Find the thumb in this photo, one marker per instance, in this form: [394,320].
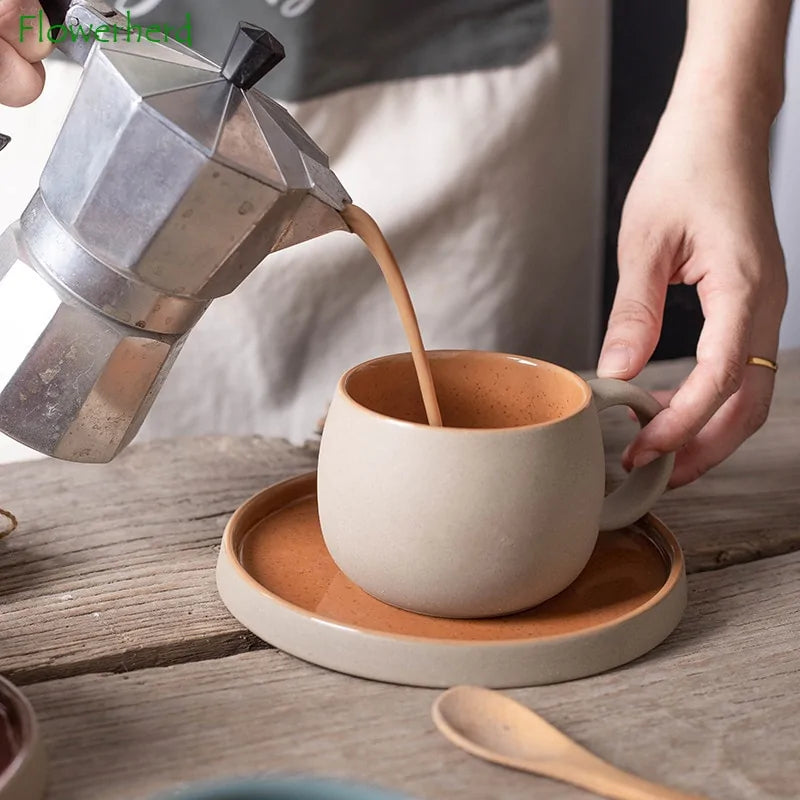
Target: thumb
[20,27]
[636,316]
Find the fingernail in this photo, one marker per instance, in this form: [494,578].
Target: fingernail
[626,455]
[644,458]
[616,360]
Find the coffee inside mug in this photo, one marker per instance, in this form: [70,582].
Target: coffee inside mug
[475,389]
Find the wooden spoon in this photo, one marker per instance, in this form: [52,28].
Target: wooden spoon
[494,727]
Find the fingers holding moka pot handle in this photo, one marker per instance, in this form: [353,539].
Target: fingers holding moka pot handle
[56,10]
[23,45]
[644,486]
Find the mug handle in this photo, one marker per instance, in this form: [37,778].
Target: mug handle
[643,487]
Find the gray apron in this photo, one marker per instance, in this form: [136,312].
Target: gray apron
[337,44]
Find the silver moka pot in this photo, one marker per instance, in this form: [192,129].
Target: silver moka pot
[170,181]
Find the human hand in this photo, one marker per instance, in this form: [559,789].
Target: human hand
[21,53]
[700,212]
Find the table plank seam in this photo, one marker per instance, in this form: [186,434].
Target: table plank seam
[215,515]
[202,648]
[725,559]
[210,648]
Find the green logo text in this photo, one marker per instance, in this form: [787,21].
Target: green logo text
[129,32]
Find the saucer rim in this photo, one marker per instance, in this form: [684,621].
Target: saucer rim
[668,547]
[409,660]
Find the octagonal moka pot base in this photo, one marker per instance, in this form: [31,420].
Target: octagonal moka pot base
[277,578]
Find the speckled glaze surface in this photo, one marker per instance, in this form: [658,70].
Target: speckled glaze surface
[490,515]
[23,770]
[277,578]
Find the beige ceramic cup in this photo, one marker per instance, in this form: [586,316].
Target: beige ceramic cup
[473,520]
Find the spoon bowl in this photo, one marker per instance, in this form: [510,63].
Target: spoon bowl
[496,728]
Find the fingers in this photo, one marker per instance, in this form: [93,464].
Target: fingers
[635,322]
[20,82]
[21,51]
[732,333]
[721,355]
[664,397]
[747,410]
[738,419]
[19,27]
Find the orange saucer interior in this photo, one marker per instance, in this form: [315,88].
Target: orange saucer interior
[284,552]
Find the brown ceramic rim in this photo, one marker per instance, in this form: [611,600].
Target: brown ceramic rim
[533,362]
[666,544]
[29,730]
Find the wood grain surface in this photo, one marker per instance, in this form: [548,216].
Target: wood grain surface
[112,566]
[714,711]
[110,617]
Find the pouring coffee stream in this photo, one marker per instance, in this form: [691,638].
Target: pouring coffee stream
[367,229]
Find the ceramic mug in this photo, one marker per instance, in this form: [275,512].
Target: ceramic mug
[491,515]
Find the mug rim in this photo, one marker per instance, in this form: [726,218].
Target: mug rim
[531,361]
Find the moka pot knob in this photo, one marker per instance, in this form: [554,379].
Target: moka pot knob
[253,52]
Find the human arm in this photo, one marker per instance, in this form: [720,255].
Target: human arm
[700,212]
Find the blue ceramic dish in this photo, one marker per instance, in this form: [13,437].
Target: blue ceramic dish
[283,788]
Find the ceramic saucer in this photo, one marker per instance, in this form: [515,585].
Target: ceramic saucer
[22,761]
[276,577]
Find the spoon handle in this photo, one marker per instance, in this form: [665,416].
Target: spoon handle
[600,777]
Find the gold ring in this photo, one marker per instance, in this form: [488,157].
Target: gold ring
[12,519]
[757,361]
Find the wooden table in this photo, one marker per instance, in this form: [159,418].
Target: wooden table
[110,618]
